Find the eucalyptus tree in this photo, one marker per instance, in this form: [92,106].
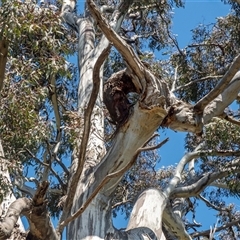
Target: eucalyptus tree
[77,144]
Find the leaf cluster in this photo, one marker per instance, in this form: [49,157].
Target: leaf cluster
[208,57]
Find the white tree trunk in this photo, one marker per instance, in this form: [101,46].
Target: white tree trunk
[6,192]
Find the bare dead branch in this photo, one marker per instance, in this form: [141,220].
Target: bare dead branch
[233,69]
[149,148]
[207,232]
[196,81]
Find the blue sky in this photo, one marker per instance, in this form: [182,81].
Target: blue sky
[185,19]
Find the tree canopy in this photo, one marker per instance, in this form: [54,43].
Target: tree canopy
[84,96]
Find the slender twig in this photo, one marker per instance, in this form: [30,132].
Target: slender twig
[121,203]
[36,159]
[46,165]
[196,81]
[209,204]
[149,148]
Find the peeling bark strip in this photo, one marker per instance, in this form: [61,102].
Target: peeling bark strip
[3,60]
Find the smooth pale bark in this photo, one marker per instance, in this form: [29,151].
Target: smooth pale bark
[216,107]
[147,211]
[8,199]
[10,219]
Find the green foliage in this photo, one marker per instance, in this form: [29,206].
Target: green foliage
[39,45]
[208,57]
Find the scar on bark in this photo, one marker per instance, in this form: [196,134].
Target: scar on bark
[115,97]
[185,117]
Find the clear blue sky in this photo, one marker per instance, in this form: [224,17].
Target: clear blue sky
[185,19]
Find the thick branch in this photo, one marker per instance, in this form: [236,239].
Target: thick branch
[54,101]
[196,188]
[14,211]
[187,158]
[232,120]
[175,224]
[217,106]
[127,52]
[234,68]
[147,212]
[67,14]
[38,217]
[103,183]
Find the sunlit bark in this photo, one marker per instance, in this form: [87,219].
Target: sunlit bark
[95,172]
